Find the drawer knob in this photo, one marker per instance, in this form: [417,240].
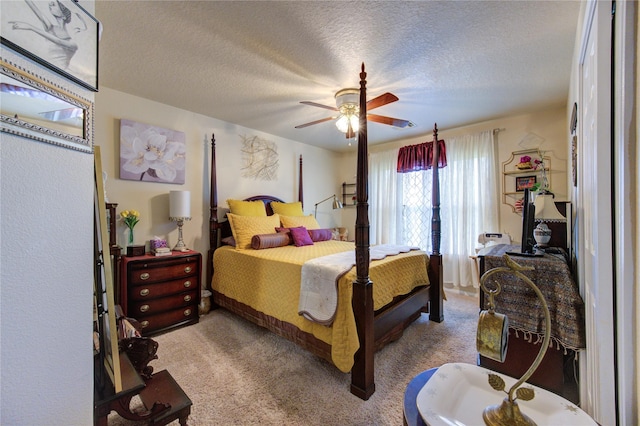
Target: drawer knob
[187,298]
[144,308]
[144,324]
[144,292]
[187,312]
[187,284]
[144,276]
[188,269]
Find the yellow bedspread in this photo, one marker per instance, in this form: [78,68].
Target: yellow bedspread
[269,281]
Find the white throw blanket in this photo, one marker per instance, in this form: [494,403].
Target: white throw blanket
[319,280]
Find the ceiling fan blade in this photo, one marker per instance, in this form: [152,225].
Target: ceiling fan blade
[319,105]
[396,122]
[314,122]
[385,98]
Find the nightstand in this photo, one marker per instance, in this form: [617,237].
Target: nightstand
[161,292]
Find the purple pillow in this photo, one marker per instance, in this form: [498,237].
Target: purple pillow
[301,236]
[320,234]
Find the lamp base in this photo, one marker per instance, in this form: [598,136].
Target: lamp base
[542,235]
[506,414]
[180,246]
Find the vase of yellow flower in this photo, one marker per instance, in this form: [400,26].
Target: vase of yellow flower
[130,218]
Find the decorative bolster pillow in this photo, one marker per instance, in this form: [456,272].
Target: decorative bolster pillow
[265,241]
[285,231]
[320,234]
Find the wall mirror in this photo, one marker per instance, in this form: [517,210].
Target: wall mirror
[36,109]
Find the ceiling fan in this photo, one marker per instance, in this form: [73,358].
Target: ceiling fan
[348,107]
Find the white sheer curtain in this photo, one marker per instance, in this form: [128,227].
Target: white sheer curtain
[469,198]
[385,198]
[400,204]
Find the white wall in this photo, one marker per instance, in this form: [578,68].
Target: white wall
[46,278]
[548,127]
[152,199]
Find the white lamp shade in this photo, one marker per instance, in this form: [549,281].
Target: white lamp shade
[546,209]
[343,123]
[179,204]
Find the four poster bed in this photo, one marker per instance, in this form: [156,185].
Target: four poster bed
[376,299]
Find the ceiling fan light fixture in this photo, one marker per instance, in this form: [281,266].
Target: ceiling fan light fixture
[345,120]
[347,102]
[342,123]
[347,97]
[355,122]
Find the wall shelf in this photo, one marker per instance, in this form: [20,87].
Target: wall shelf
[348,192]
[510,175]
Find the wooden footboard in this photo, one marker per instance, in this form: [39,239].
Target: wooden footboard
[389,323]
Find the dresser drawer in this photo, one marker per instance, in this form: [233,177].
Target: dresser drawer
[139,310]
[168,319]
[148,291]
[143,273]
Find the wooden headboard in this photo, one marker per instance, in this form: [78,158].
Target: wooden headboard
[266,199]
[219,229]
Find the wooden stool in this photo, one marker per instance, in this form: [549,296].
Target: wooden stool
[164,389]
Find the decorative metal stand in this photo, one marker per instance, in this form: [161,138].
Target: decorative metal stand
[508,413]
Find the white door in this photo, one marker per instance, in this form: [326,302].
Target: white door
[595,256]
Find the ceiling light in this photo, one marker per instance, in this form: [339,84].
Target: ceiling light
[347,103]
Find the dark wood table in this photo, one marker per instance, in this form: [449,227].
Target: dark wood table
[553,277]
[410,409]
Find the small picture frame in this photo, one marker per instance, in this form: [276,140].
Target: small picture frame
[60,35]
[524,182]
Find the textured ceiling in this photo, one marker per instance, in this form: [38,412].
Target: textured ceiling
[251,63]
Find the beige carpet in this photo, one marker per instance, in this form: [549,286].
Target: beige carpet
[237,373]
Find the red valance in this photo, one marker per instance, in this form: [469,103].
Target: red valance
[420,157]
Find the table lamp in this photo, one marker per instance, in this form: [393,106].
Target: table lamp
[546,211]
[179,211]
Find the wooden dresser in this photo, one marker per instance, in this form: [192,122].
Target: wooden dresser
[161,292]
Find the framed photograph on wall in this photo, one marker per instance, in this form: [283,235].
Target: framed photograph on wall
[58,34]
[523,182]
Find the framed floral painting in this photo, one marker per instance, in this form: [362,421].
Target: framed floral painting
[151,154]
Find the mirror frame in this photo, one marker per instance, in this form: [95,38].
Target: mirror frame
[41,133]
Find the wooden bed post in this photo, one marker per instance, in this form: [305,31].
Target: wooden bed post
[214,226]
[362,373]
[436,312]
[300,197]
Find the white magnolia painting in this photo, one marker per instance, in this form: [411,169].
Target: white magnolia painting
[151,154]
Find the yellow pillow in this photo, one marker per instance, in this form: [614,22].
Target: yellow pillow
[247,208]
[308,222]
[287,209]
[244,228]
